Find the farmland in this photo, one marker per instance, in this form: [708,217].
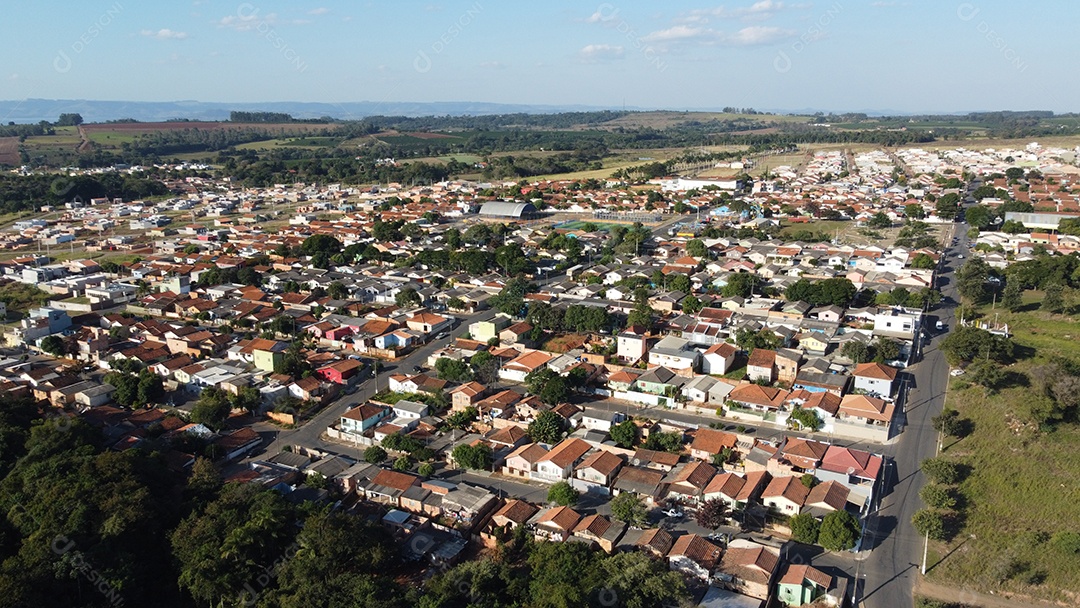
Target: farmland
[9,150]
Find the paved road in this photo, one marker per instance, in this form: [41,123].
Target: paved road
[310,433]
[893,566]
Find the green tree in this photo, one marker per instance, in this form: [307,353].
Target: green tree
[426,469]
[948,423]
[948,206]
[856,351]
[1012,296]
[914,211]
[696,248]
[403,463]
[987,374]
[940,471]
[407,298]
[478,457]
[978,216]
[374,454]
[923,261]
[804,528]
[929,522]
[547,427]
[54,345]
[556,391]
[938,497]
[453,370]
[629,508]
[879,220]
[741,284]
[212,409]
[563,494]
[886,350]
[462,419]
[971,280]
[839,531]
[1053,298]
[665,442]
[624,434]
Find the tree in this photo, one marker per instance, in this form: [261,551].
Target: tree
[886,350]
[966,344]
[151,390]
[804,528]
[1053,298]
[879,220]
[1012,296]
[462,419]
[741,284]
[839,531]
[69,120]
[374,455]
[914,211]
[54,345]
[710,514]
[627,507]
[556,391]
[948,423]
[923,261]
[407,297]
[478,457]
[938,497]
[948,206]
[978,216]
[971,280]
[563,494]
[806,419]
[402,463]
[453,370]
[856,351]
[665,442]
[987,374]
[426,469]
[624,434]
[696,248]
[547,427]
[929,522]
[941,471]
[212,409]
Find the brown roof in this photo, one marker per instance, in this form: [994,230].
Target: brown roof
[758,395]
[791,488]
[531,452]
[656,539]
[797,573]
[237,439]
[603,462]
[567,452]
[713,441]
[563,518]
[761,357]
[824,400]
[875,370]
[517,511]
[754,564]
[854,462]
[863,406]
[696,548]
[831,493]
[364,412]
[754,481]
[509,435]
[806,450]
[727,484]
[529,361]
[394,479]
[595,525]
[645,456]
[471,389]
[697,474]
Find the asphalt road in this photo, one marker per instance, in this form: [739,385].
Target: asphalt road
[886,577]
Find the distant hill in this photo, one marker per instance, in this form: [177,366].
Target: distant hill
[35,110]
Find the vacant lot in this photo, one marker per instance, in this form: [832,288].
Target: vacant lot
[1022,487]
[9,150]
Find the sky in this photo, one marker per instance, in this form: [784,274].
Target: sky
[842,55]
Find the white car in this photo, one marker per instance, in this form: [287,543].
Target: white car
[673,513]
[956,372]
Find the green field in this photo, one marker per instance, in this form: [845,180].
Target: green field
[1022,487]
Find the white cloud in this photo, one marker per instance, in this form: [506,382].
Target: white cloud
[165,34]
[604,14]
[322,10]
[600,52]
[758,11]
[679,32]
[758,34]
[747,36]
[248,21]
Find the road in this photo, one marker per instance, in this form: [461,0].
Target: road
[893,566]
[310,434]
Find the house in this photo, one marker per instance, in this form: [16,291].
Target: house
[387,487]
[693,555]
[518,333]
[758,398]
[697,390]
[802,584]
[514,513]
[785,495]
[238,443]
[861,409]
[345,371]
[555,524]
[428,323]
[656,542]
[96,395]
[674,353]
[517,368]
[856,469]
[631,346]
[484,331]
[363,417]
[825,498]
[725,487]
[718,359]
[787,365]
[658,381]
[897,324]
[875,379]
[595,419]
[600,530]
[646,483]
[748,568]
[687,484]
[709,443]
[466,395]
[522,461]
[761,366]
[558,464]
[597,471]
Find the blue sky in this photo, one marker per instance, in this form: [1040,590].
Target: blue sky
[911,56]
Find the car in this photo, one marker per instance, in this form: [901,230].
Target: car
[417,369]
[673,513]
[960,256]
[717,536]
[956,372]
[939,325]
[441,335]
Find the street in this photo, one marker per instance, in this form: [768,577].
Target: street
[889,572]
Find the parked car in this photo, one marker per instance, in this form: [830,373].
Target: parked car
[440,335]
[417,369]
[956,372]
[673,513]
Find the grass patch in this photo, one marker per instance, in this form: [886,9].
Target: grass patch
[21,297]
[1022,488]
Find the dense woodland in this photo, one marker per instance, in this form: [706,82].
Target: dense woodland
[85,526]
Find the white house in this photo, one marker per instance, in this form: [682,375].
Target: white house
[718,359]
[875,379]
[674,353]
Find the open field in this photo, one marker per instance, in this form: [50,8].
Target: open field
[9,150]
[1022,487]
[664,120]
[141,128]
